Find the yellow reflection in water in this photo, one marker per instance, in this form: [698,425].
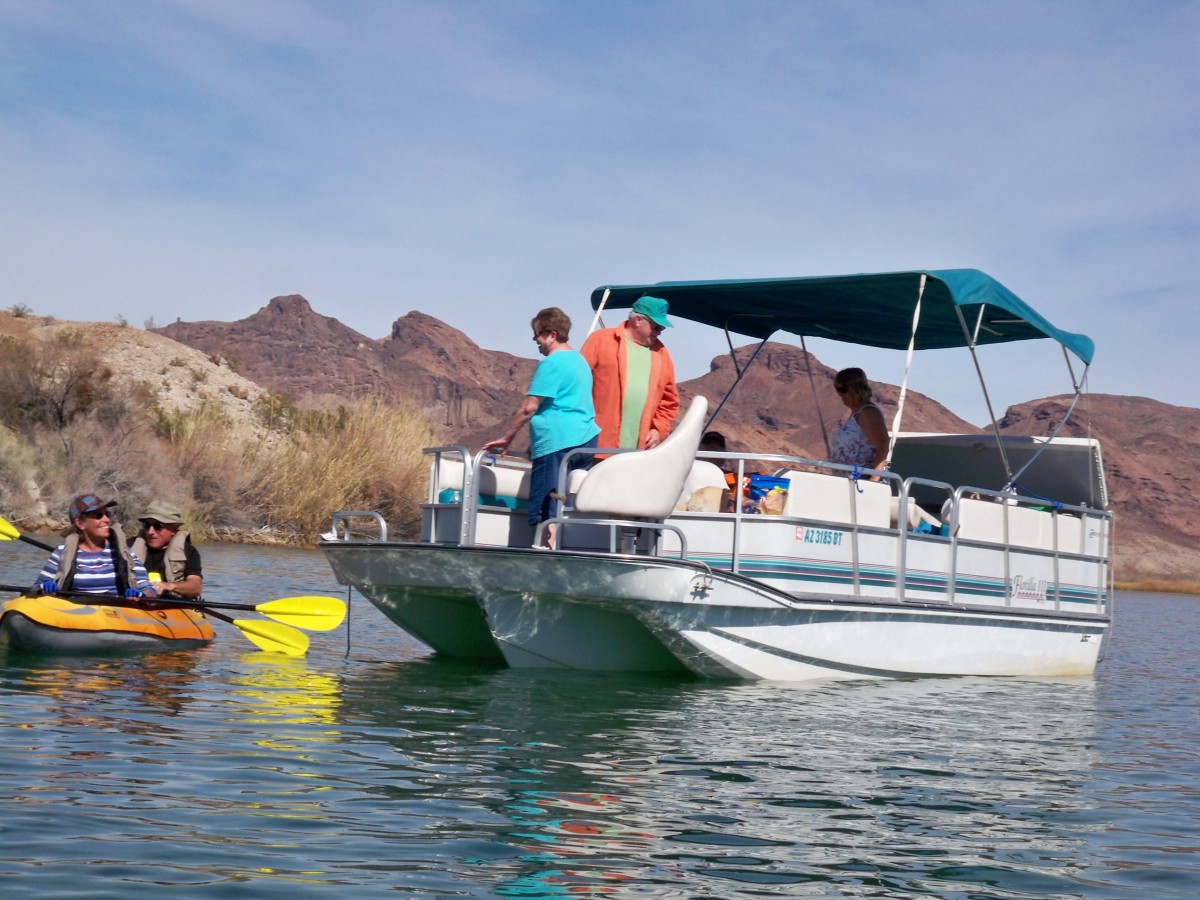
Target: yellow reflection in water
[283,690]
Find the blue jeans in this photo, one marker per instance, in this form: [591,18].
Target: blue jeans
[543,479]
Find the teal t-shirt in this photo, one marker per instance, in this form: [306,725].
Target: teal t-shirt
[566,417]
[637,388]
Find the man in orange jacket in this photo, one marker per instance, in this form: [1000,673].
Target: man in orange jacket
[633,378]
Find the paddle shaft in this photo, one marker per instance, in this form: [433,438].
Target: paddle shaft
[104,599]
[40,544]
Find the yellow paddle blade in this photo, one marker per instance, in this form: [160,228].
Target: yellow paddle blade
[273,637]
[7,532]
[313,613]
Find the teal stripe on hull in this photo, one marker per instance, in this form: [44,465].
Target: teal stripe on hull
[802,571]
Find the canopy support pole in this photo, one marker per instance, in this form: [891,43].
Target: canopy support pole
[972,337]
[599,311]
[812,383]
[1078,387]
[740,373]
[912,345]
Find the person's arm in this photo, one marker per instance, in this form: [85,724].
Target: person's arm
[49,570]
[188,589]
[524,413]
[870,420]
[141,578]
[192,584]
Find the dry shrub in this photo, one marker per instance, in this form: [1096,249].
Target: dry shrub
[365,456]
[50,383]
[125,463]
[18,474]
[208,454]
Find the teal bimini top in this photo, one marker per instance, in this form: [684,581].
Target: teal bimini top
[872,310]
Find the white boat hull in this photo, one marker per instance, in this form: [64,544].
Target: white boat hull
[596,611]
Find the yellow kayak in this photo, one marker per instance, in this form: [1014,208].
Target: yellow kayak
[53,625]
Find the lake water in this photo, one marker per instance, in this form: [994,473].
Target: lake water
[369,769]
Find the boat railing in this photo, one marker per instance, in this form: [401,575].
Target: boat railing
[1029,527]
[340,528]
[911,520]
[627,537]
[465,488]
[912,539]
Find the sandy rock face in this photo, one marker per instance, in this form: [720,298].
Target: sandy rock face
[181,378]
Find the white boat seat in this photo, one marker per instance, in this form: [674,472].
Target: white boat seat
[645,484]
[704,474]
[828,498]
[575,479]
[983,520]
[509,478]
[915,518]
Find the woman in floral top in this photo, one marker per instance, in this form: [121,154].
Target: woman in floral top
[862,440]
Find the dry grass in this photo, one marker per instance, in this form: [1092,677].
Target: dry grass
[1159,586]
[363,456]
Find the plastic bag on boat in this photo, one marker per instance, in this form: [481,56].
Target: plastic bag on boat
[765,494]
[772,502]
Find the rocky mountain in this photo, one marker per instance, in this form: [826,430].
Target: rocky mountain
[468,392]
[289,349]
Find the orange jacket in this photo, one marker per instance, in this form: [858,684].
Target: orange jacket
[605,352]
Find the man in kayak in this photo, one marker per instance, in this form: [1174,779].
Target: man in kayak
[171,560]
[93,558]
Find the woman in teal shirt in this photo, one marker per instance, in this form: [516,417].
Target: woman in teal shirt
[558,408]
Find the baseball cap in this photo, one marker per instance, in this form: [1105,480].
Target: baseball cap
[654,309]
[86,503]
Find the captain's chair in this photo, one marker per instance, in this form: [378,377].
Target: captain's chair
[645,484]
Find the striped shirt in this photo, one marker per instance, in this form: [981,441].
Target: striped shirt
[95,572]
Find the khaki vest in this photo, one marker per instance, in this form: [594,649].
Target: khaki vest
[122,561]
[174,558]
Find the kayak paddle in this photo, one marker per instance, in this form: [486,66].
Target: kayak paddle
[9,533]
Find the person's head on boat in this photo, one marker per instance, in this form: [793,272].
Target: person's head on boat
[551,329]
[90,518]
[852,386]
[160,522]
[647,320]
[714,441]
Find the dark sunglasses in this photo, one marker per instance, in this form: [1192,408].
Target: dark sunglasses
[156,526]
[95,514]
[841,390]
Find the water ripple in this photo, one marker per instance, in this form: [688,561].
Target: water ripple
[372,770]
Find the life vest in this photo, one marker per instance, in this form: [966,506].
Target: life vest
[174,555]
[122,561]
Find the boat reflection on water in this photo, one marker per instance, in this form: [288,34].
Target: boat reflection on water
[596,784]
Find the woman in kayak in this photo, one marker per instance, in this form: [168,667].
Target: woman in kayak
[93,558]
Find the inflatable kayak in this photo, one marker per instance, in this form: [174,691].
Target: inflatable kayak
[53,625]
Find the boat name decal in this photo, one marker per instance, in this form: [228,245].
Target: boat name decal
[1026,587]
[818,536]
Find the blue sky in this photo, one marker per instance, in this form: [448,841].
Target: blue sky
[477,161]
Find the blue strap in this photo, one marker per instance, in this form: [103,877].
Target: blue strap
[1056,505]
[856,473]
